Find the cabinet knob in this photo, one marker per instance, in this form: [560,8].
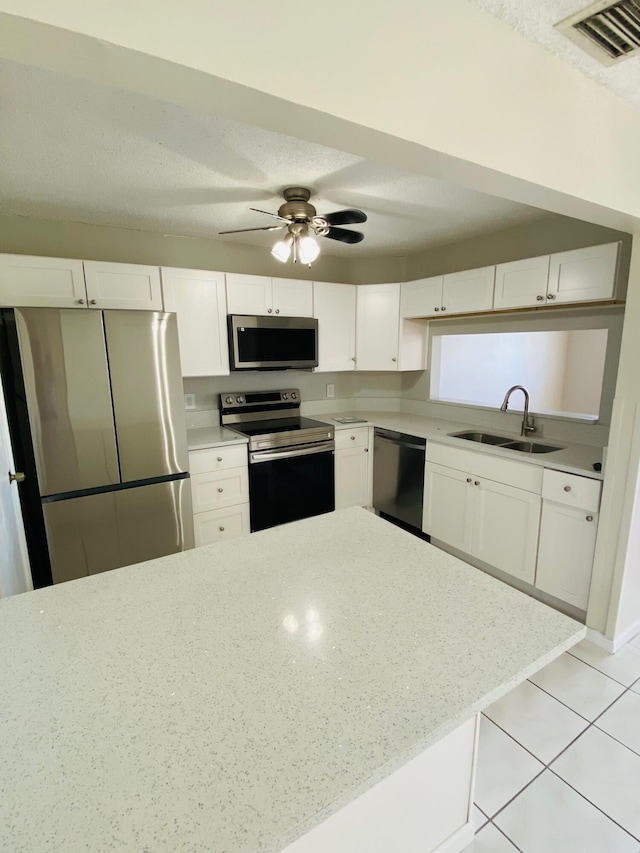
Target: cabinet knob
[436,309]
[277,310]
[551,296]
[18,477]
[443,308]
[79,301]
[589,518]
[353,438]
[269,311]
[366,450]
[540,298]
[221,529]
[353,358]
[567,488]
[394,358]
[476,482]
[220,489]
[469,480]
[93,302]
[219,458]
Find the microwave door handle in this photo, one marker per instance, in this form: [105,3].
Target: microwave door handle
[288,453]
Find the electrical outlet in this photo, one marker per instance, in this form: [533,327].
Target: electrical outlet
[189,401]
[331,390]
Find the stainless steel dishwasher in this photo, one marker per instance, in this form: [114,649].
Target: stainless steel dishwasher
[398,476]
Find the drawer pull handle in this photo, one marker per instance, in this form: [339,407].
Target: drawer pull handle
[476,482]
[220,489]
[221,529]
[567,488]
[589,518]
[219,458]
[469,480]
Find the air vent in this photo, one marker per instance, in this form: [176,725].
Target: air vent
[610,32]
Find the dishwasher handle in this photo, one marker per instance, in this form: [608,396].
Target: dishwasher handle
[401,440]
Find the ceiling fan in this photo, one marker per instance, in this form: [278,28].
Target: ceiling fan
[303,224]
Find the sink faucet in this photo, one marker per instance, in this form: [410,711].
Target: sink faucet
[527,422]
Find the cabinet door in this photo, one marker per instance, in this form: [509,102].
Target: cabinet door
[505,528]
[123,286]
[199,301]
[521,283]
[334,307]
[468,291]
[292,298]
[421,298]
[249,294]
[448,505]
[565,558]
[584,275]
[353,479]
[219,524]
[377,327]
[27,281]
[214,490]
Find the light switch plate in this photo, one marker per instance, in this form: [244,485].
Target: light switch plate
[331,390]
[189,401]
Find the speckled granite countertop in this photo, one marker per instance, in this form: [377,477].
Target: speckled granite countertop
[231,697]
[200,438]
[573,458]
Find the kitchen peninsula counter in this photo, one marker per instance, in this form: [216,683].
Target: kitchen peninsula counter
[232,697]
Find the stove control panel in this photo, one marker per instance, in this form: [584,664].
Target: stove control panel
[260,399]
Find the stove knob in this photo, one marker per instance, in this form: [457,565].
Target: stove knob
[294,396]
[286,396]
[228,399]
[239,399]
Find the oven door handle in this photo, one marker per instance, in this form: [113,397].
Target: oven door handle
[288,453]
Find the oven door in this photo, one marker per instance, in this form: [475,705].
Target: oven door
[287,484]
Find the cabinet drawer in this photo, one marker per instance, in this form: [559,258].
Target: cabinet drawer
[216,489]
[358,437]
[521,475]
[217,458]
[219,524]
[571,490]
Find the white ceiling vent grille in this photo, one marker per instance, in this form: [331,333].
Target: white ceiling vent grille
[608,31]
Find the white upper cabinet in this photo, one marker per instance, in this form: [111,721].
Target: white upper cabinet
[129,286]
[421,298]
[334,307]
[521,284]
[292,298]
[258,294]
[377,326]
[468,291]
[27,281]
[584,275]
[464,292]
[199,300]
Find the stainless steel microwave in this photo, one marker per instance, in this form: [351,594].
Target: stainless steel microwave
[272,343]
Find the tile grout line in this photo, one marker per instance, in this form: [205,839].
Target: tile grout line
[606,674]
[510,840]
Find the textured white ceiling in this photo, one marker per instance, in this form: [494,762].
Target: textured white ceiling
[535,19]
[72,150]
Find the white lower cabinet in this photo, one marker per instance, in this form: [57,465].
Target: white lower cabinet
[220,493]
[486,507]
[568,536]
[353,467]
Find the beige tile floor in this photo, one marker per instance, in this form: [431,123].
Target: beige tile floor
[559,759]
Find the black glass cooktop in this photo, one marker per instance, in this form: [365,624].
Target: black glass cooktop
[280,425]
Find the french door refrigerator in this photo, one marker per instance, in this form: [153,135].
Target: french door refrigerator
[96,419]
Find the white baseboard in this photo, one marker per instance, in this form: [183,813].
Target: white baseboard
[612,646]
[459,841]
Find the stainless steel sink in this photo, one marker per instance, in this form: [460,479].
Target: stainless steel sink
[482,437]
[506,442]
[530,447]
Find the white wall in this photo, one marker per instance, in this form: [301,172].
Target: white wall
[583,371]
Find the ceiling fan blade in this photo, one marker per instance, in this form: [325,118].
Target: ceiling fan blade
[281,218]
[242,230]
[351,216]
[343,236]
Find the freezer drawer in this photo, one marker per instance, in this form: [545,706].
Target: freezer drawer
[104,531]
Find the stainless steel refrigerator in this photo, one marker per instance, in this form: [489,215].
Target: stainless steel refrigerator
[96,417]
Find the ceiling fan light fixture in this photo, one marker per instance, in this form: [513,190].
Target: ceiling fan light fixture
[282,249]
[308,250]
